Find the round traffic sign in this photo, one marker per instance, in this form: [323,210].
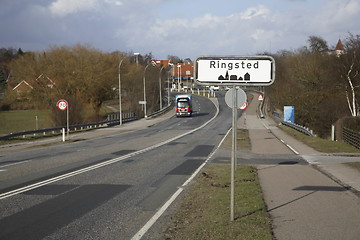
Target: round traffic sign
[240,95]
[244,106]
[62,104]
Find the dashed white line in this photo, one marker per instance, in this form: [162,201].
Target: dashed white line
[281,140]
[12,164]
[159,213]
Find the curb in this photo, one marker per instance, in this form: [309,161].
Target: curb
[335,179]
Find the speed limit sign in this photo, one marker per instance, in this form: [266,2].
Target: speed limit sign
[62,104]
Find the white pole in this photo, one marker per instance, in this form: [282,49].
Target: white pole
[36,123]
[63,134]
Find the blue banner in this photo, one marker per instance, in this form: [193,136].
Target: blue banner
[289,114]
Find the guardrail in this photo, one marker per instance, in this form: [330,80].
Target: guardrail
[111,121]
[157,113]
[295,126]
[351,137]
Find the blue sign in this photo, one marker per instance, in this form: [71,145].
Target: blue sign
[289,114]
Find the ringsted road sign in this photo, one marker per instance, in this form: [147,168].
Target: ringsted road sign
[235,70]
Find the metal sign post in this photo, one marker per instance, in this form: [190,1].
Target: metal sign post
[234,98]
[63,105]
[234,71]
[233,155]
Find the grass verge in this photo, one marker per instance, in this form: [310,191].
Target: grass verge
[243,140]
[23,120]
[323,145]
[320,144]
[204,213]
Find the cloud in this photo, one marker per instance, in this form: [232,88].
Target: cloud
[253,12]
[64,7]
[159,27]
[240,33]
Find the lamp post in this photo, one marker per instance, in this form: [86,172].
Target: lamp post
[137,58]
[162,67]
[179,76]
[120,110]
[145,103]
[172,67]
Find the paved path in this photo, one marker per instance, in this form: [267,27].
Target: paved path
[304,202]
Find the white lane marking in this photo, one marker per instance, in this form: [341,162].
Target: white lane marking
[99,165]
[11,164]
[292,149]
[287,145]
[164,207]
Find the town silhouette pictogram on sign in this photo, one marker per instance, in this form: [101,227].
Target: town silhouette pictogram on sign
[246,77]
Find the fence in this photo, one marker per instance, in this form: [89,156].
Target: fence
[351,137]
[112,119]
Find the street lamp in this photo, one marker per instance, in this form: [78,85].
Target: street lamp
[120,111]
[162,67]
[172,67]
[179,76]
[153,64]
[137,58]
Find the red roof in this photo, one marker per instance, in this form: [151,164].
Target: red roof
[339,46]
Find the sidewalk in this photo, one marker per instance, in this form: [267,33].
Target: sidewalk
[304,201]
[329,164]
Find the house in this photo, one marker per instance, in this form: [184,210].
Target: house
[23,87]
[339,49]
[183,75]
[164,63]
[44,81]
[40,82]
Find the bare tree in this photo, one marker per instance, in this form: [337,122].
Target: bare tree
[350,62]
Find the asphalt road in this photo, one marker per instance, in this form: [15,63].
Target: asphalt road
[108,187]
[113,185]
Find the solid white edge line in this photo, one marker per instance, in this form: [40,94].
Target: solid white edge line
[156,216]
[281,140]
[161,211]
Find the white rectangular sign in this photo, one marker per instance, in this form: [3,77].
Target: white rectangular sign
[233,70]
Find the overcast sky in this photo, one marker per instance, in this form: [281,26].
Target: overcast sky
[184,28]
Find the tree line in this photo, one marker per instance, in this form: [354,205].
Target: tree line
[322,85]
[85,77]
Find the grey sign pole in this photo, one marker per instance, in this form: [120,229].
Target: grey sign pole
[67,122]
[235,71]
[233,154]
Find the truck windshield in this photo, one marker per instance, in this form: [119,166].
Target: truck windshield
[183,104]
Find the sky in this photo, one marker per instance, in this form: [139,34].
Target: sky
[183,28]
